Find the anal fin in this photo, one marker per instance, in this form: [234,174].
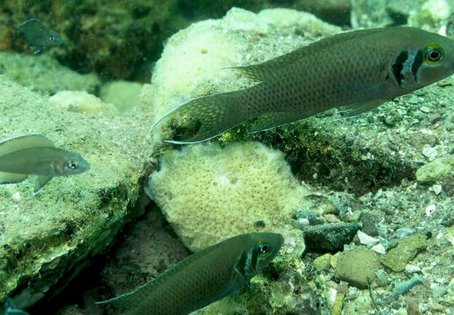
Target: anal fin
[359,108]
[11,178]
[273,119]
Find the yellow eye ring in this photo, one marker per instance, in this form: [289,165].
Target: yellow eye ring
[433,54]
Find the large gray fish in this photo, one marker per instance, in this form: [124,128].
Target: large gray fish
[204,277]
[39,36]
[36,155]
[358,70]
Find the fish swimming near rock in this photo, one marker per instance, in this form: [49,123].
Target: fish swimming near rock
[203,277]
[356,70]
[36,156]
[39,36]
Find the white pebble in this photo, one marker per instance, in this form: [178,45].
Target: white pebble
[436,188]
[412,268]
[430,209]
[367,239]
[379,248]
[429,152]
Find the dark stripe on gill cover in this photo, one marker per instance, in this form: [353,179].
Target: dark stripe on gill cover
[417,63]
[399,65]
[254,259]
[241,265]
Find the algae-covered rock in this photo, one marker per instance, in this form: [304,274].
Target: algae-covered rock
[47,238]
[45,74]
[407,248]
[118,39]
[209,193]
[329,237]
[435,170]
[357,267]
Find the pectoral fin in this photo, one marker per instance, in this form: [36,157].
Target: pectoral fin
[40,182]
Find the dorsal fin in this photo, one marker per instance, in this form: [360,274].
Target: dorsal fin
[25,142]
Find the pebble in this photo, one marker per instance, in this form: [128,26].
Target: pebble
[430,209]
[329,237]
[379,248]
[405,286]
[357,267]
[367,240]
[439,291]
[435,170]
[429,152]
[323,262]
[407,248]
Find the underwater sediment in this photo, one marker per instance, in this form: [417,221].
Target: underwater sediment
[385,172]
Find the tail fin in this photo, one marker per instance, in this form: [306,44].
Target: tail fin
[207,117]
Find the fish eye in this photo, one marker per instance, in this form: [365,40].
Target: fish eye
[72,165]
[52,38]
[264,248]
[433,54]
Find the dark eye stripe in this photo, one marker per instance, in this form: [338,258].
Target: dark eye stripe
[255,255]
[399,65]
[241,265]
[417,62]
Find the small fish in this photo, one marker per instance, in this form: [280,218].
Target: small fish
[38,36]
[357,70]
[35,155]
[10,308]
[204,277]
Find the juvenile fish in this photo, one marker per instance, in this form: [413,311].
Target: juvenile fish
[204,277]
[35,155]
[39,36]
[357,70]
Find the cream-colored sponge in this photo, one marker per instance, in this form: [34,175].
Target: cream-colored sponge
[209,193]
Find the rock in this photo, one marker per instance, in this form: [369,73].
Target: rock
[400,11]
[435,170]
[123,94]
[45,74]
[46,239]
[366,13]
[369,222]
[323,262]
[367,240]
[329,237]
[114,39]
[81,102]
[357,267]
[332,11]
[431,14]
[209,193]
[407,248]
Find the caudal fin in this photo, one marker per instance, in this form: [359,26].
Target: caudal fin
[206,117]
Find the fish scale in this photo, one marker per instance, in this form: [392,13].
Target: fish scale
[356,70]
[202,278]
